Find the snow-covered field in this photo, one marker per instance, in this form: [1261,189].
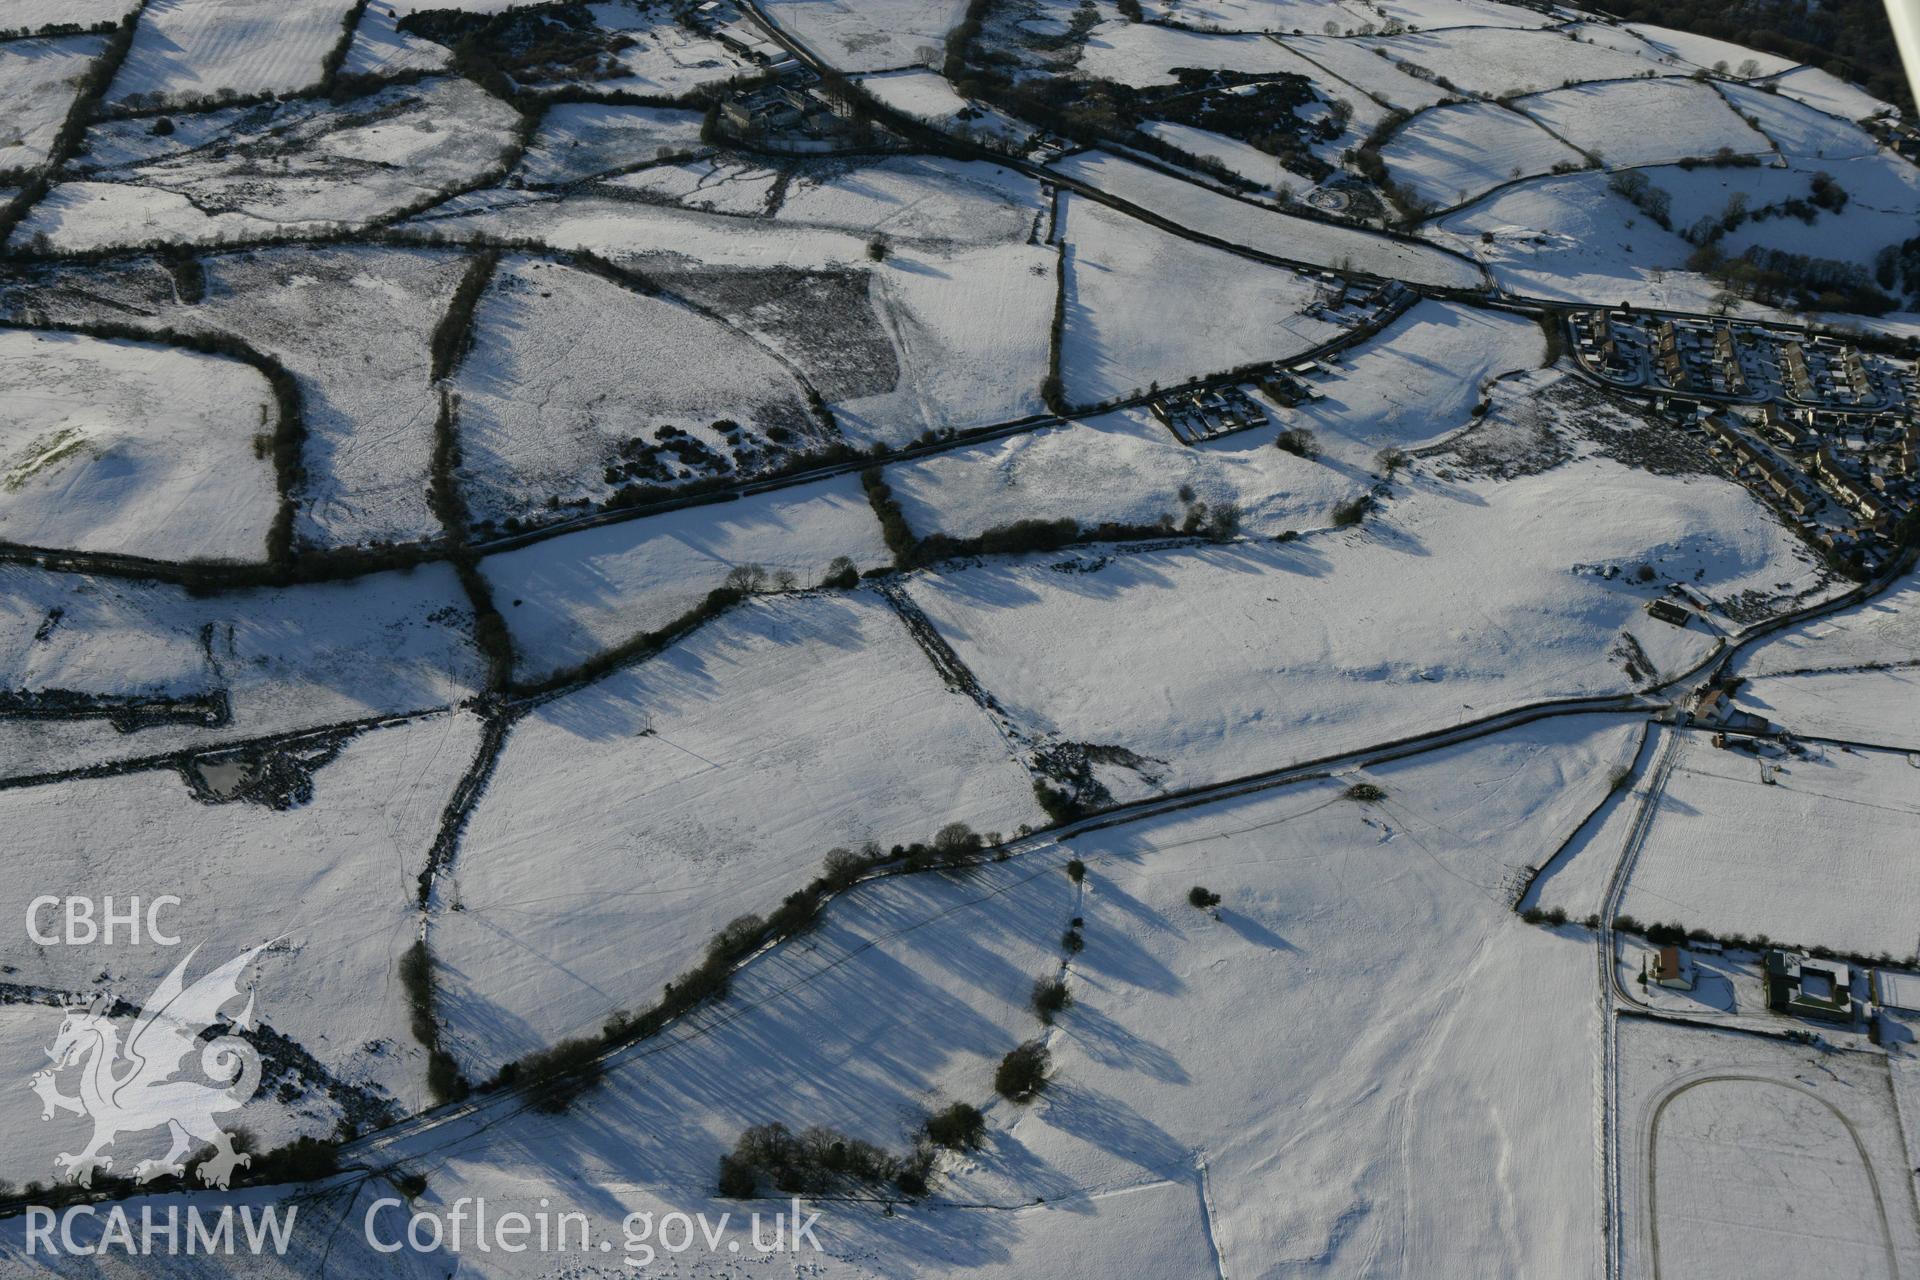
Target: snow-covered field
[1122,467]
[1827,92]
[1575,878]
[571,597]
[328,166]
[1458,601]
[880,35]
[1798,130]
[579,140]
[1449,155]
[1724,1138]
[37,15]
[1570,237]
[1882,211]
[1251,163]
[927,96]
[287,659]
[662,802]
[134,448]
[1858,706]
[1361,1001]
[1435,14]
[192,51]
[1493,62]
[1281,235]
[933,202]
[1705,51]
[969,329]
[1883,631]
[1417,381]
[1410,386]
[1144,306]
[952,329]
[1141,54]
[381,48]
[330,881]
[568,367]
[1818,857]
[964,296]
[646,234]
[1632,123]
[351,323]
[37,84]
[1260,15]
[1359,67]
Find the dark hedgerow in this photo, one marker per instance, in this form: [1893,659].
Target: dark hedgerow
[959,1127]
[1059,803]
[454,333]
[737,1178]
[1352,511]
[1022,1074]
[842,574]
[416,979]
[1298,441]
[810,1163]
[1050,999]
[444,1079]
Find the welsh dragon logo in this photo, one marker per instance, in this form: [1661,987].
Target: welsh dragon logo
[131,1088]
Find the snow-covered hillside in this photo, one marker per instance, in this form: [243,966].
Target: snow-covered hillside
[1089,638]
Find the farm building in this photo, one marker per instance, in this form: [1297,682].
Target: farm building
[1668,611]
[1670,967]
[1808,988]
[1897,990]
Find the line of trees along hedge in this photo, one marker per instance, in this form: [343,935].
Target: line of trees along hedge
[443,490]
[454,334]
[644,645]
[817,1161]
[490,632]
[1016,538]
[1053,386]
[954,845]
[54,30]
[554,1076]
[894,529]
[444,1080]
[1778,277]
[337,56]
[452,338]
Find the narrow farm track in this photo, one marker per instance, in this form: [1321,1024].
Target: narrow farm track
[1612,1179]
